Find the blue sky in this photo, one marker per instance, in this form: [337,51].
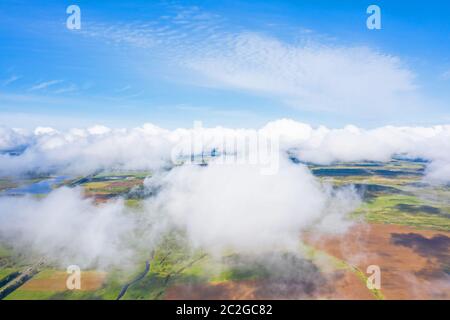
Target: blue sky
[230,63]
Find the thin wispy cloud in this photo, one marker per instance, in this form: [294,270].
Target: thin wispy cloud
[45,85]
[11,79]
[123,89]
[313,75]
[310,72]
[183,29]
[68,89]
[445,75]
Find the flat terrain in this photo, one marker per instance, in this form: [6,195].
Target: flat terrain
[403,226]
[414,263]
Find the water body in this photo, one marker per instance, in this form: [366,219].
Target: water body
[340,172]
[135,280]
[344,172]
[14,152]
[40,187]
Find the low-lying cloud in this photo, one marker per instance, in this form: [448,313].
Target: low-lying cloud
[236,207]
[68,229]
[218,207]
[83,151]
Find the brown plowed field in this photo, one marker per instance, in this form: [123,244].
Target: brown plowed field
[412,261]
[412,264]
[90,281]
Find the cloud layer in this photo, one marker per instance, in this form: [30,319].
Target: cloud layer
[83,151]
[218,207]
[235,207]
[68,229]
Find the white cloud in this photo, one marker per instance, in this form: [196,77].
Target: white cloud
[44,85]
[81,151]
[70,88]
[12,138]
[312,77]
[44,131]
[235,207]
[314,74]
[68,229]
[219,206]
[11,79]
[445,75]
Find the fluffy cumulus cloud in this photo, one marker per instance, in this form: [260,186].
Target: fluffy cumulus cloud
[67,228]
[219,207]
[83,151]
[235,207]
[12,138]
